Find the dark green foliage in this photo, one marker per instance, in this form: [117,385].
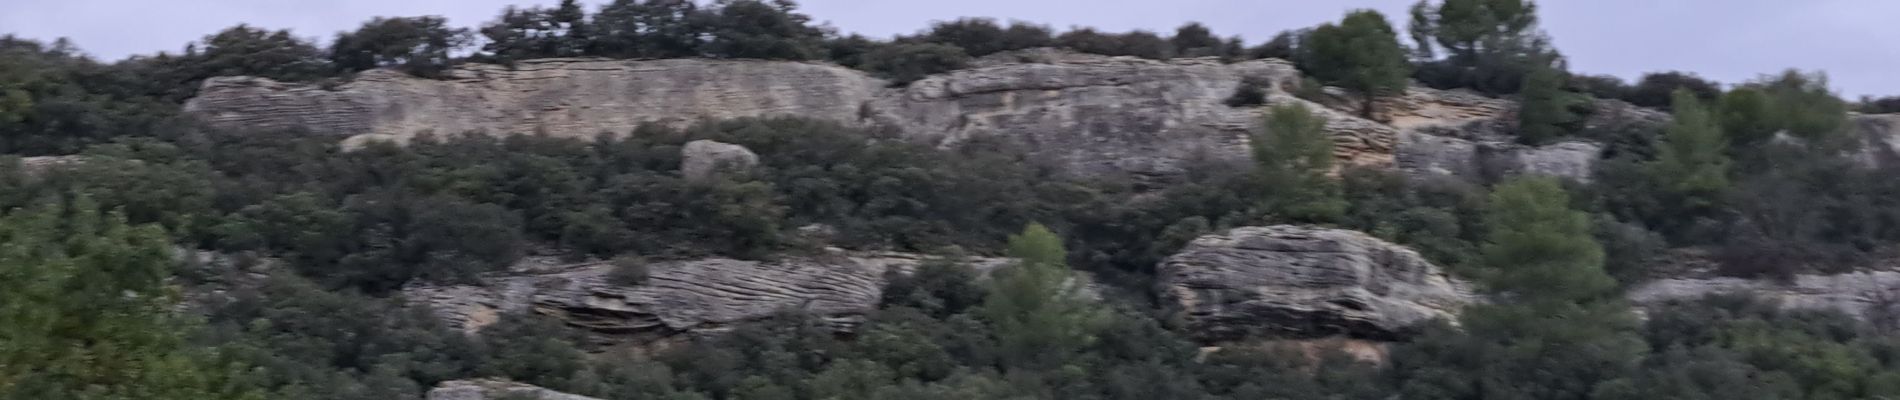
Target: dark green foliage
[1441,218]
[1142,44]
[1883,105]
[420,46]
[1803,104]
[903,63]
[1547,112]
[1248,94]
[1600,86]
[982,36]
[85,311]
[1362,54]
[53,100]
[1657,89]
[521,34]
[1295,156]
[938,288]
[1195,40]
[1489,45]
[1563,336]
[247,51]
[1284,45]
[1692,166]
[649,29]
[762,29]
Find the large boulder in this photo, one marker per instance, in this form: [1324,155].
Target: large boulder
[691,297]
[1305,282]
[494,389]
[703,159]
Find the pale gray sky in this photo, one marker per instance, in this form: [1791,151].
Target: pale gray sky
[1856,41]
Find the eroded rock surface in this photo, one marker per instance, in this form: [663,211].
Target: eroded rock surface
[703,159]
[492,389]
[1862,294]
[679,297]
[1305,282]
[1095,114]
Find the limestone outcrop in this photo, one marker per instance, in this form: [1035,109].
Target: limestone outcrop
[493,389]
[703,159]
[1093,113]
[679,297]
[1861,294]
[1305,282]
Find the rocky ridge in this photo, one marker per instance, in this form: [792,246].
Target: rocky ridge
[1305,282]
[692,297]
[1871,294]
[1094,114]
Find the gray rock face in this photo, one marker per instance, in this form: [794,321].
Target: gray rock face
[1857,294]
[679,297]
[1095,114]
[1880,138]
[1424,154]
[565,97]
[489,389]
[702,159]
[1305,282]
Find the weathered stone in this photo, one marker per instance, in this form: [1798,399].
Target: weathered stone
[494,389]
[702,159]
[1856,294]
[1423,154]
[679,297]
[38,166]
[1094,114]
[1305,282]
[1880,138]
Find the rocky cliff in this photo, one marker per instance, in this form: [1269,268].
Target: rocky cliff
[1301,282]
[679,297]
[1095,114]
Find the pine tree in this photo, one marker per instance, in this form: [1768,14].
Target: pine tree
[1036,306]
[1295,158]
[85,312]
[1362,53]
[1692,162]
[1545,113]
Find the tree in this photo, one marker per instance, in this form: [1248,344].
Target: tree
[764,30]
[1692,163]
[1560,335]
[1748,116]
[243,50]
[421,46]
[983,36]
[1362,53]
[1467,29]
[85,312]
[1035,305]
[649,29]
[1804,105]
[1489,45]
[1295,157]
[1658,89]
[538,33]
[1545,108]
[1195,40]
[903,63]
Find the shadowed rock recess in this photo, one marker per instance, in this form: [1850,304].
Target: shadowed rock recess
[1303,282]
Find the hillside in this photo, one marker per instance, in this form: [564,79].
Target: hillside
[663,199]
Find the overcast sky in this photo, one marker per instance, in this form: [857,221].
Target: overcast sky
[1856,41]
